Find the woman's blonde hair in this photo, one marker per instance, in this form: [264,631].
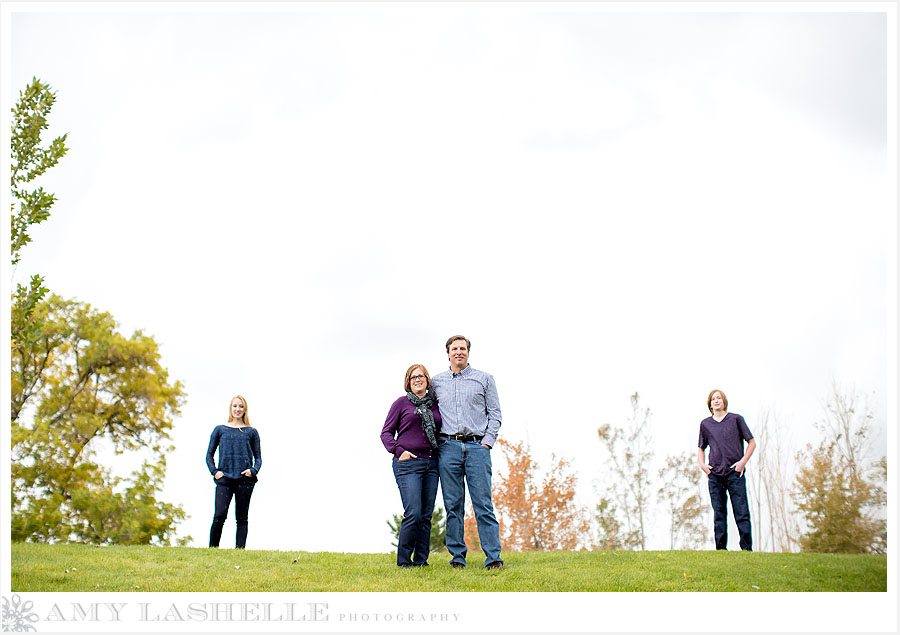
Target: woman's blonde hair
[246,418]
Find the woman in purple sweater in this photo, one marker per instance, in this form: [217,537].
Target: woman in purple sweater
[410,434]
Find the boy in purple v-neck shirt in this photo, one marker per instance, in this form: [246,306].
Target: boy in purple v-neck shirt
[725,432]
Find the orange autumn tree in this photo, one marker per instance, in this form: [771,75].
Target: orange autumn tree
[537,514]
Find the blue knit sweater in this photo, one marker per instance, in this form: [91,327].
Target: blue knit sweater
[238,451]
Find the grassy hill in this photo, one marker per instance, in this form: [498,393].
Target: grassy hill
[71,567]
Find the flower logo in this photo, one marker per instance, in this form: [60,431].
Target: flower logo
[17,615]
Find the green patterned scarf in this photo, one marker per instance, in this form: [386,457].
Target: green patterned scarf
[423,408]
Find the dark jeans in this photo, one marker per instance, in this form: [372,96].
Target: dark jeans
[241,491]
[735,486]
[417,480]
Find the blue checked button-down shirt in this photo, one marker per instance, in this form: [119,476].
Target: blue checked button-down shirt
[469,404]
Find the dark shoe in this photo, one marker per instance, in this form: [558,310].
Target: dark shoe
[457,565]
[404,565]
[494,565]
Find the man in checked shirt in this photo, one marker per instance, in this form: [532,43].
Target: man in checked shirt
[470,411]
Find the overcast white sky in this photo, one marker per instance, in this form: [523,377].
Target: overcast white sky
[299,202]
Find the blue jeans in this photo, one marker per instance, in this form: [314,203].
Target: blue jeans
[461,463]
[417,480]
[735,486]
[241,490]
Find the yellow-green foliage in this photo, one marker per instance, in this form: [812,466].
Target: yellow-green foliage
[76,380]
[834,499]
[80,381]
[839,492]
[30,160]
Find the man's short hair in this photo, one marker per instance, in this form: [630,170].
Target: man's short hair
[709,399]
[453,338]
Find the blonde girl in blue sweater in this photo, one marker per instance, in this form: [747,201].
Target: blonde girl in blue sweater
[240,459]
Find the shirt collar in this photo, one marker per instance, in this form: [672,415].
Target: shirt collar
[465,371]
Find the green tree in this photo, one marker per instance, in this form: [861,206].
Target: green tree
[438,529]
[29,161]
[879,500]
[85,383]
[832,501]
[629,451]
[76,383]
[838,492]
[680,494]
[609,530]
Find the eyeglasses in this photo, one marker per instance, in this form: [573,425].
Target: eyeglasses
[416,377]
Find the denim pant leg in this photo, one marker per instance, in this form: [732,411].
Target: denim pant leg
[411,477]
[737,491]
[429,493]
[452,470]
[718,497]
[478,477]
[242,493]
[224,492]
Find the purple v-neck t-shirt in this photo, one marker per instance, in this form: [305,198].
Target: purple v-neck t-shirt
[725,439]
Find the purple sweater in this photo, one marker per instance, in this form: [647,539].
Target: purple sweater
[406,425]
[725,439]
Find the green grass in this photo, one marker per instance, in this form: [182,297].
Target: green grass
[70,567]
